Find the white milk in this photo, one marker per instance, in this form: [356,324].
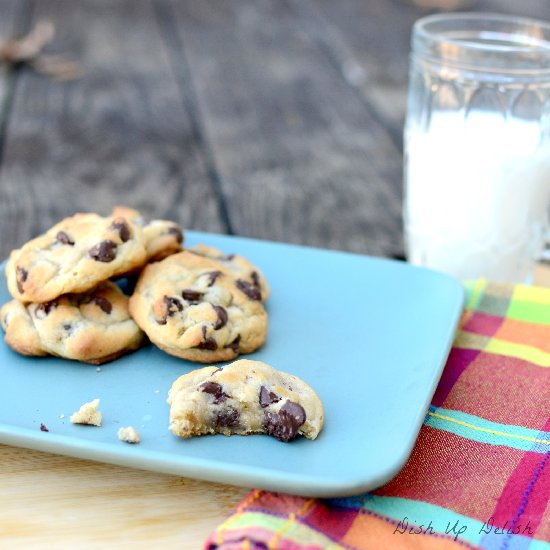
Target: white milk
[476,196]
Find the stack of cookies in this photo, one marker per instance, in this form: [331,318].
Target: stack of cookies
[199,304]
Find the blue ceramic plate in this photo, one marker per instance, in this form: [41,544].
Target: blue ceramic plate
[371,336]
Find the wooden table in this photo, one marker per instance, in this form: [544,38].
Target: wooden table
[278,120]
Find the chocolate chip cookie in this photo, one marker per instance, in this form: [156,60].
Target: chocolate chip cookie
[162,237]
[93,327]
[75,255]
[195,308]
[245,397]
[251,279]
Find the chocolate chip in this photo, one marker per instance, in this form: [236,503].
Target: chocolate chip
[228,418]
[228,257]
[43,428]
[216,390]
[212,276]
[252,291]
[267,397]
[192,296]
[63,238]
[295,410]
[123,229]
[68,327]
[255,279]
[222,317]
[285,424]
[171,305]
[105,251]
[21,275]
[235,344]
[42,310]
[176,231]
[103,304]
[208,342]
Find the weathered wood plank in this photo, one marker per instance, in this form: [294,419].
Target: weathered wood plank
[369,43]
[120,134]
[12,13]
[299,157]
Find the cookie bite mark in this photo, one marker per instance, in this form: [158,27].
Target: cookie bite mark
[105,251]
[245,397]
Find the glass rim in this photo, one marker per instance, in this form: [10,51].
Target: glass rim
[421,29]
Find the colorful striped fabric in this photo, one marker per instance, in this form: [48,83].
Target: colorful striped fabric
[479,475]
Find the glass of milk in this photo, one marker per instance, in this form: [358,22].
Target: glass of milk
[477,145]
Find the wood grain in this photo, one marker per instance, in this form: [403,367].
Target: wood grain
[369,42]
[52,501]
[120,134]
[12,14]
[307,162]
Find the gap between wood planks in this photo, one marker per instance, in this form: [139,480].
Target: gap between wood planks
[174,44]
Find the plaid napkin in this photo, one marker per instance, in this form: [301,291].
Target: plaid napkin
[479,475]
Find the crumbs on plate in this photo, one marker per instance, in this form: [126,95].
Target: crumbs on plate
[128,435]
[88,414]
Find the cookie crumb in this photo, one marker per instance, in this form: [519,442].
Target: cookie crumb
[129,435]
[61,416]
[43,428]
[88,414]
[98,369]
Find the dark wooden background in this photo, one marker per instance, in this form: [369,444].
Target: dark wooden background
[274,119]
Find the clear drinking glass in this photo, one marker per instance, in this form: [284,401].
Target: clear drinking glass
[477,145]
